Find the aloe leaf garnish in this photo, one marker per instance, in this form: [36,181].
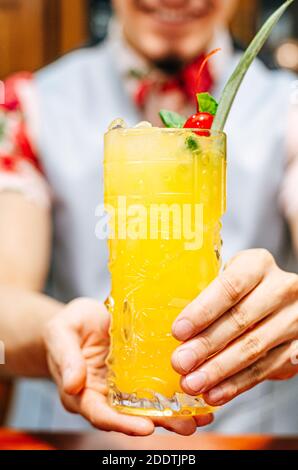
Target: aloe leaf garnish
[234,83]
[206,102]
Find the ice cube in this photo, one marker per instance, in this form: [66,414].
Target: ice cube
[117,124]
[143,125]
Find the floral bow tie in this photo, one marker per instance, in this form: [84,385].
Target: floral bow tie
[188,81]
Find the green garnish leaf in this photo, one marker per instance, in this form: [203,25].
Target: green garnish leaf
[192,144]
[233,85]
[207,104]
[172,119]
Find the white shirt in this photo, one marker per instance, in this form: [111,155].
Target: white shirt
[77,98]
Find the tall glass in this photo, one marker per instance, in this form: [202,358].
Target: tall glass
[165,195]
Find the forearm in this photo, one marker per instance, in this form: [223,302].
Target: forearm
[23,315]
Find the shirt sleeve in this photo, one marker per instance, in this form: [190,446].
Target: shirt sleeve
[289,192]
[20,167]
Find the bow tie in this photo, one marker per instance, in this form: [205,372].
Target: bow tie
[188,81]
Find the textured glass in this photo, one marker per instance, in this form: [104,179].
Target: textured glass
[156,267]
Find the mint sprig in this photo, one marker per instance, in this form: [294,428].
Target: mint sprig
[233,85]
[192,144]
[206,103]
[172,119]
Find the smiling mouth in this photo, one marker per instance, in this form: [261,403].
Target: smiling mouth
[176,17]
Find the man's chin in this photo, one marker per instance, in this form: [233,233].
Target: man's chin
[170,64]
[170,56]
[173,62]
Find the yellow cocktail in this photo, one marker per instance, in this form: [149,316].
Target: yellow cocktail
[165,193]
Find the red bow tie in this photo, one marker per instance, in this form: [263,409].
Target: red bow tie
[187,81]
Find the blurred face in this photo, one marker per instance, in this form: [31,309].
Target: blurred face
[162,29]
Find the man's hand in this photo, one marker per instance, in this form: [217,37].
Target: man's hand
[240,331]
[77,344]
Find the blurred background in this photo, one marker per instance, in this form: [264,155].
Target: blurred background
[33,33]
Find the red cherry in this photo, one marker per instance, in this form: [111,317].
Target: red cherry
[200,121]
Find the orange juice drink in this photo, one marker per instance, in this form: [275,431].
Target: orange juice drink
[165,195]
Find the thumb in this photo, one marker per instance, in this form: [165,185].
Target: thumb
[73,366]
[63,347]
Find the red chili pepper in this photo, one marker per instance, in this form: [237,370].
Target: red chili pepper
[203,65]
[201,120]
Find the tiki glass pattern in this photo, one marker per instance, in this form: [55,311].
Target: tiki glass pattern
[165,192]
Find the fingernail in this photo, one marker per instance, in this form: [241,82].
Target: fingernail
[183,329]
[186,359]
[216,394]
[196,381]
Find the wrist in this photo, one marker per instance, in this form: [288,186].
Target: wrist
[25,352]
